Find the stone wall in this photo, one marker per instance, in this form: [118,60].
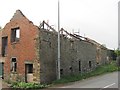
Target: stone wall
[77,56]
[48,56]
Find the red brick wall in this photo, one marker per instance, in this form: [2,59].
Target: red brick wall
[25,48]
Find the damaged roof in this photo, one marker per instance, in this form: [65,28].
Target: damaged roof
[18,15]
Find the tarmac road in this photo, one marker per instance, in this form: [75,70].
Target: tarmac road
[102,82]
[109,80]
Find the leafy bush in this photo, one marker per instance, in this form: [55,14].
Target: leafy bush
[28,85]
[117,52]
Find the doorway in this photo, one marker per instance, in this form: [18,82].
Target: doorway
[28,72]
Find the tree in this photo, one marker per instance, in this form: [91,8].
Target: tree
[117,52]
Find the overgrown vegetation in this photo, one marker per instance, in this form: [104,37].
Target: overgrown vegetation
[98,71]
[117,52]
[71,78]
[24,85]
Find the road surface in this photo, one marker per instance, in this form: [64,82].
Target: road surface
[101,82]
[109,80]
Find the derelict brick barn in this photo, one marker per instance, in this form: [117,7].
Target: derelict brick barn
[30,52]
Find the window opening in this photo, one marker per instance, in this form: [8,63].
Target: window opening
[90,64]
[15,35]
[4,46]
[13,65]
[79,65]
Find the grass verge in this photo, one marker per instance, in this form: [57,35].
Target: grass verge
[98,71]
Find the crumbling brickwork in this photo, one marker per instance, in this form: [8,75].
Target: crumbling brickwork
[23,50]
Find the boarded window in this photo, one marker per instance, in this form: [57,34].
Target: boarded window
[13,65]
[15,35]
[4,45]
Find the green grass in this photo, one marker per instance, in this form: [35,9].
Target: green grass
[98,71]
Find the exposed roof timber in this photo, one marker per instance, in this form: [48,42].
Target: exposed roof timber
[79,37]
[44,23]
[71,35]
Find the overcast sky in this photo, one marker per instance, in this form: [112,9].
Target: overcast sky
[96,19]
